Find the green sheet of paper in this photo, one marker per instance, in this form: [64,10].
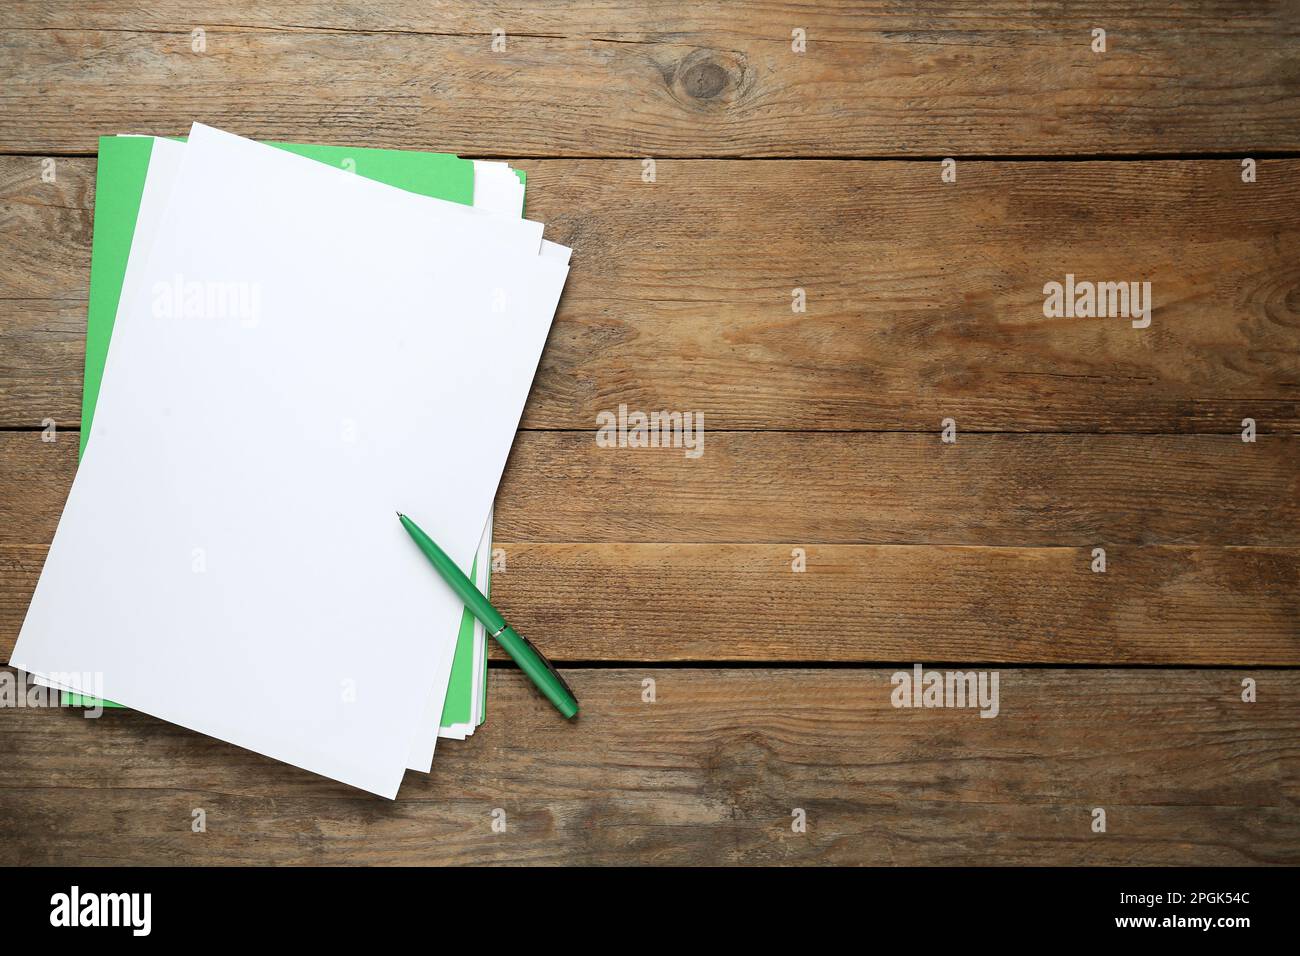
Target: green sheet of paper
[119,185]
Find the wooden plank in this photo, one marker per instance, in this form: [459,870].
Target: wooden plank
[42,355]
[995,490]
[627,20]
[924,299]
[863,603]
[624,79]
[655,602]
[709,773]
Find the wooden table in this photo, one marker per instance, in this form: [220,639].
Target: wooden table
[774,171]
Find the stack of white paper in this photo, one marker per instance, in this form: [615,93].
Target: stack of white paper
[287,370]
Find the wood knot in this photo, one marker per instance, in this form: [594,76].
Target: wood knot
[704,81]
[708,77]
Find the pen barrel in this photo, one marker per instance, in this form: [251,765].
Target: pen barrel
[539,670]
[521,650]
[456,579]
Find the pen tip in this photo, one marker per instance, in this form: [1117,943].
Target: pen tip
[400,515]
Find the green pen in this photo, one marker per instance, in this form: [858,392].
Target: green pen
[530,660]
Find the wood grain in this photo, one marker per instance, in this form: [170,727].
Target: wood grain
[675,79]
[1079,491]
[688,602]
[924,302]
[708,774]
[924,299]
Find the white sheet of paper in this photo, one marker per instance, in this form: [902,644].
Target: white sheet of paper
[228,558]
[496,190]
